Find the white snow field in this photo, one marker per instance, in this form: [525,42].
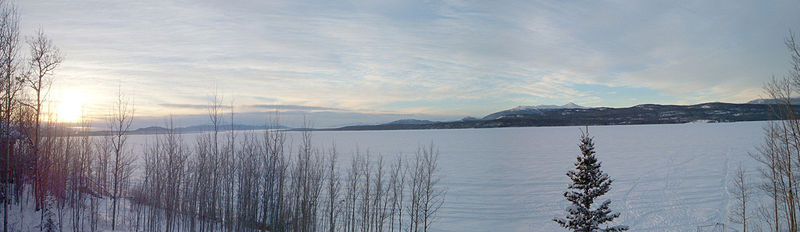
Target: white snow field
[667,177]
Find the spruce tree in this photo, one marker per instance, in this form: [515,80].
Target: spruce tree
[48,224]
[588,184]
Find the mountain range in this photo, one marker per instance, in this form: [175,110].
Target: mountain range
[569,114]
[572,114]
[772,101]
[531,110]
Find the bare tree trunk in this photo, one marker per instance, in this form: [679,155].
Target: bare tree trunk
[274,169]
[9,40]
[782,149]
[398,178]
[741,192]
[768,156]
[333,190]
[414,208]
[433,197]
[45,58]
[377,203]
[215,114]
[229,167]
[354,175]
[120,122]
[366,193]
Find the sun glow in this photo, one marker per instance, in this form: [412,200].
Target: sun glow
[69,106]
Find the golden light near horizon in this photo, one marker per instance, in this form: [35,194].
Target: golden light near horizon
[69,106]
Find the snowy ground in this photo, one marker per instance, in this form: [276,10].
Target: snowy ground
[668,177]
[24,217]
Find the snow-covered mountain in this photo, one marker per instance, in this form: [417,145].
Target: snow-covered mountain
[409,122]
[546,107]
[532,110]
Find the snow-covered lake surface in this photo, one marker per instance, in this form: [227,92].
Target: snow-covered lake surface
[667,177]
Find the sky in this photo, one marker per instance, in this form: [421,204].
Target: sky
[360,62]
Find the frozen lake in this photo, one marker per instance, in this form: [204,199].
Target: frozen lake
[667,177]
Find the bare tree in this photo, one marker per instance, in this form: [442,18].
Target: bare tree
[741,192]
[100,172]
[426,196]
[173,157]
[58,167]
[81,175]
[45,58]
[379,200]
[9,84]
[306,180]
[768,155]
[433,194]
[397,183]
[151,191]
[333,189]
[366,192]
[248,175]
[202,174]
[780,153]
[215,115]
[275,180]
[119,123]
[229,176]
[783,144]
[414,208]
[351,192]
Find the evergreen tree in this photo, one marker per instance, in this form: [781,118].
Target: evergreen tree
[588,183]
[48,224]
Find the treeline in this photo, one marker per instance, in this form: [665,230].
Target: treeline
[217,181]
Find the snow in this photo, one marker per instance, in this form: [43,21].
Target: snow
[24,217]
[666,177]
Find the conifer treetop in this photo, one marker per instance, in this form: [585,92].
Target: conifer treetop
[588,184]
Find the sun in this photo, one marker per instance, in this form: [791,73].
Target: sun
[70,106]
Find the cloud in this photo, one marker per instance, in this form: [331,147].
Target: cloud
[448,57]
[291,118]
[259,106]
[191,106]
[295,107]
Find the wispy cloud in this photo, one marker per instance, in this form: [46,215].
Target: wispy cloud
[446,58]
[294,107]
[191,106]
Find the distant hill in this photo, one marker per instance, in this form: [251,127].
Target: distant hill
[579,116]
[196,128]
[409,122]
[531,110]
[470,119]
[795,101]
[202,128]
[151,130]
